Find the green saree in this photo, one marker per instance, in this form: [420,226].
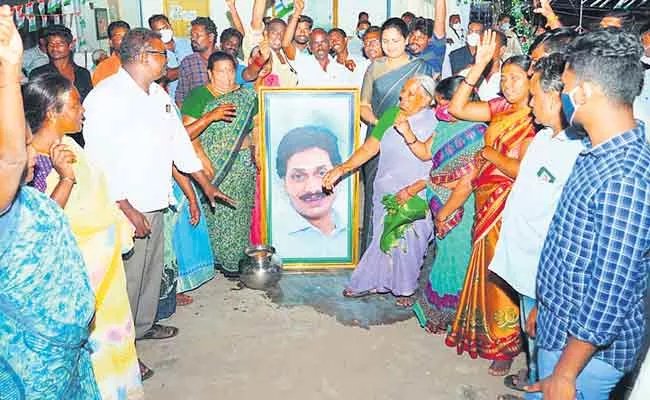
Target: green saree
[235,172]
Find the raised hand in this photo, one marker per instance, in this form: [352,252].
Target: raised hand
[545,9]
[230,3]
[11,46]
[225,112]
[485,50]
[265,47]
[62,160]
[298,7]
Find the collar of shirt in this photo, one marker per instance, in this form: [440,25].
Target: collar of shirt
[615,142]
[300,224]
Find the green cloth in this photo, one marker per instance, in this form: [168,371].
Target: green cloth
[235,174]
[399,218]
[195,102]
[386,120]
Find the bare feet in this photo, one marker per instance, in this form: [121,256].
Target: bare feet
[429,327]
[500,367]
[405,301]
[183,300]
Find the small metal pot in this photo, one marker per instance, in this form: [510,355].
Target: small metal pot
[261,268]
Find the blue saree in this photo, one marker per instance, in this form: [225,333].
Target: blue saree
[46,305]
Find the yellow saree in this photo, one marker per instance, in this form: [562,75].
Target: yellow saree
[487,318]
[103,234]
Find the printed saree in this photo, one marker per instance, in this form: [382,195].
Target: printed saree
[453,150]
[487,319]
[385,94]
[103,234]
[235,174]
[46,305]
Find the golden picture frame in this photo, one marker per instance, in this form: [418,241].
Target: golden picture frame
[303,133]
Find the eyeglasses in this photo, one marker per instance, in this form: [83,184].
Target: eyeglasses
[161,53]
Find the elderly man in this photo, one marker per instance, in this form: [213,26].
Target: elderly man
[137,145]
[116,32]
[320,69]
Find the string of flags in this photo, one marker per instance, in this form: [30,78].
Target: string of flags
[47,10]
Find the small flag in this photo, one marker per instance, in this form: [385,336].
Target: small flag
[283,8]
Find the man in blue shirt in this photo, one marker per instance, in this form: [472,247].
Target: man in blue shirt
[595,262]
[427,38]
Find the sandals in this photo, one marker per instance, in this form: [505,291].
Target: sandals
[405,301]
[145,372]
[158,332]
[183,300]
[517,381]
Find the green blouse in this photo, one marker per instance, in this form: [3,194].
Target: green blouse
[386,121]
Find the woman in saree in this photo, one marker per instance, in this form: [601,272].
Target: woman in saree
[219,119]
[452,149]
[487,319]
[53,109]
[46,302]
[380,91]
[392,261]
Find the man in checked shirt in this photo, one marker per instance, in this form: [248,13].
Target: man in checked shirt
[595,262]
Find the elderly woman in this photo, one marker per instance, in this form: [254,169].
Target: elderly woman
[46,296]
[392,261]
[219,119]
[53,109]
[487,319]
[452,149]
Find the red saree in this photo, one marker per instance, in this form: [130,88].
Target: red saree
[487,319]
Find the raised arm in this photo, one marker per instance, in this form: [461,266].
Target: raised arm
[257,20]
[368,150]
[287,39]
[13,151]
[440,19]
[545,9]
[236,19]
[461,106]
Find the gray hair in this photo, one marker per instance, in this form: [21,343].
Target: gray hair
[134,43]
[428,85]
[97,54]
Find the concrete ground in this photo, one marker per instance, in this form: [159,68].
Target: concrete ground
[237,344]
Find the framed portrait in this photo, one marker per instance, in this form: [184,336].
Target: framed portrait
[101,23]
[305,133]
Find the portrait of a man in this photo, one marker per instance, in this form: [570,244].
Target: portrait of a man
[304,156]
[306,133]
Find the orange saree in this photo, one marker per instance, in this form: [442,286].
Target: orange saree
[487,318]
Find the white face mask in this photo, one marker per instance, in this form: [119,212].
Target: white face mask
[645,59]
[457,27]
[166,35]
[473,39]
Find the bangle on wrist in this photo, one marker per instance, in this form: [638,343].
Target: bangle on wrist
[465,81]
[67,178]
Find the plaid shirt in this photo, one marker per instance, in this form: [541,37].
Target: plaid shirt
[193,72]
[595,262]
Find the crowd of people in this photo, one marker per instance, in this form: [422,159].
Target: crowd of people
[527,175]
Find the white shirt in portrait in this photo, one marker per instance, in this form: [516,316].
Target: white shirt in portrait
[135,137]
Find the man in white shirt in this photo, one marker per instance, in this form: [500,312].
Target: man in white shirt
[135,136]
[490,86]
[535,194]
[320,69]
[357,65]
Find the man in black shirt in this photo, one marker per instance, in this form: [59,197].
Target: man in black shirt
[60,48]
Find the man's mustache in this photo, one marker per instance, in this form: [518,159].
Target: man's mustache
[313,196]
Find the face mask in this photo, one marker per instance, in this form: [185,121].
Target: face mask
[473,39]
[166,35]
[568,106]
[645,60]
[442,113]
[457,26]
[505,26]
[360,33]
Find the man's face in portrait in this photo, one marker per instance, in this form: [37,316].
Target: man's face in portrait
[304,183]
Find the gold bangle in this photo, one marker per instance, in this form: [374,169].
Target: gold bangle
[551,19]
